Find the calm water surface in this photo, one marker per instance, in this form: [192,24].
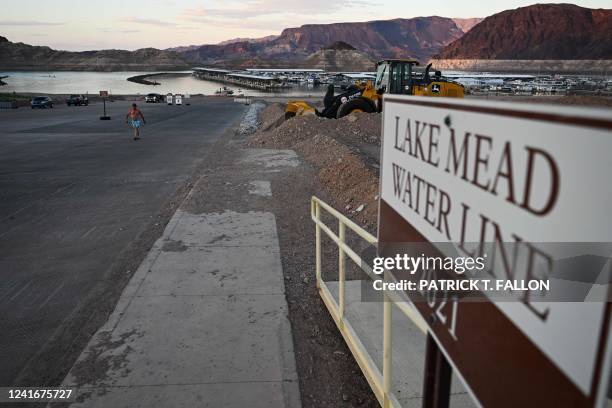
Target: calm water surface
[65,82]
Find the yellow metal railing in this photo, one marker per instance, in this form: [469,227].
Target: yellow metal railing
[380,383]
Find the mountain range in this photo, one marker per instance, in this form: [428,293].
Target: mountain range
[537,32]
[24,57]
[541,31]
[419,37]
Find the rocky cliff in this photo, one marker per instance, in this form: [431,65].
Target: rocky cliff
[538,32]
[466,24]
[339,56]
[19,56]
[419,38]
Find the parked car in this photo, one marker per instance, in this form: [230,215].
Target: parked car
[41,102]
[154,98]
[77,100]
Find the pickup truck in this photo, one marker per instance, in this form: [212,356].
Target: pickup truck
[77,100]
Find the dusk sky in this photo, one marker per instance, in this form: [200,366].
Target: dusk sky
[85,25]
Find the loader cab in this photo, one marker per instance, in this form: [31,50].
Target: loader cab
[395,76]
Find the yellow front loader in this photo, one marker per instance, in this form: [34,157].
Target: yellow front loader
[393,76]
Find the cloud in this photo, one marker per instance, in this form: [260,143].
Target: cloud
[29,23]
[148,21]
[110,31]
[263,17]
[258,8]
[245,27]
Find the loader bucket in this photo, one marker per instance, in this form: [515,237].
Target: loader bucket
[297,108]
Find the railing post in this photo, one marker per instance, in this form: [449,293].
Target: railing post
[387,361]
[318,243]
[341,268]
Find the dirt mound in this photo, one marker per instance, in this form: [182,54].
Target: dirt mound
[276,132]
[272,116]
[345,176]
[364,126]
[322,142]
[291,131]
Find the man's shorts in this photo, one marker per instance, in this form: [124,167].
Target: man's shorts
[136,124]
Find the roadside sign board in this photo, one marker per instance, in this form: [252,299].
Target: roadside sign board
[104,93]
[472,172]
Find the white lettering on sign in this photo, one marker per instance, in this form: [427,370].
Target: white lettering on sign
[471,172]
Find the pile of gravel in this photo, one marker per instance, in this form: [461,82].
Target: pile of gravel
[276,132]
[250,122]
[272,116]
[321,142]
[360,125]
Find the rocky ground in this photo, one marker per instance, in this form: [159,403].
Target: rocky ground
[343,152]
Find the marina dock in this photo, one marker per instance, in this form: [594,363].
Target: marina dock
[246,80]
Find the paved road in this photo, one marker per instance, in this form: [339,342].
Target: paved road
[76,193]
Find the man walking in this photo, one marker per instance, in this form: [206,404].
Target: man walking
[133,118]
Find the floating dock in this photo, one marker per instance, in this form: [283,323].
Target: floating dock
[246,80]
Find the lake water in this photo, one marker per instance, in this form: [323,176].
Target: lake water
[66,82]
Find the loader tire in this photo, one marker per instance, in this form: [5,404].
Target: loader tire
[354,105]
[289,115]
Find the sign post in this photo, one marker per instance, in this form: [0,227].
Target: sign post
[104,95]
[473,178]
[437,381]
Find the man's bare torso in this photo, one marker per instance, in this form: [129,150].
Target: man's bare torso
[134,113]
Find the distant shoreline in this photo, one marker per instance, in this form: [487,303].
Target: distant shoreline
[544,67]
[152,69]
[143,79]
